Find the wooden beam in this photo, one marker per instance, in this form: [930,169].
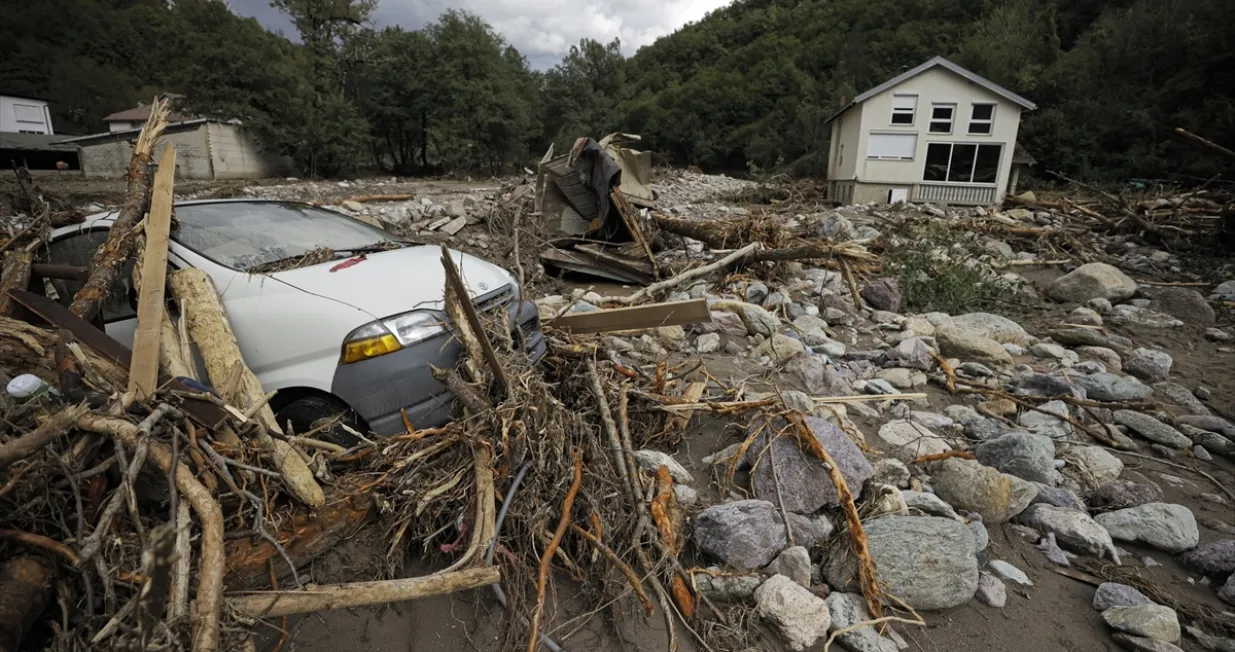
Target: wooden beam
[673,313]
[631,219]
[144,373]
[272,604]
[473,320]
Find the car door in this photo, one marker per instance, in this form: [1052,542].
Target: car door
[119,310]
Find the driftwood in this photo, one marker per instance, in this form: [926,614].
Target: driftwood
[272,604]
[28,347]
[151,280]
[15,275]
[686,276]
[121,239]
[25,589]
[210,330]
[32,442]
[59,212]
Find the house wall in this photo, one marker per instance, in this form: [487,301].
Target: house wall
[934,85]
[844,151]
[22,114]
[235,154]
[110,158]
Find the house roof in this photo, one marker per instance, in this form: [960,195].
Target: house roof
[116,135]
[35,142]
[939,61]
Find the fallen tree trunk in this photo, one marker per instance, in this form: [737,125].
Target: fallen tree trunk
[717,235]
[25,589]
[30,349]
[14,276]
[272,604]
[685,276]
[210,329]
[108,260]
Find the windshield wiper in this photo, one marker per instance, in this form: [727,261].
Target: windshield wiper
[384,245]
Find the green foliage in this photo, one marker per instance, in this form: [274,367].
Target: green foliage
[939,270]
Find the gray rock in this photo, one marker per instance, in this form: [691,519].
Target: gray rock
[969,485]
[991,591]
[1211,643]
[1054,427]
[882,294]
[1114,594]
[756,292]
[901,378]
[1051,550]
[708,342]
[1213,442]
[910,440]
[1164,526]
[757,320]
[1182,303]
[1147,620]
[1200,453]
[1152,429]
[1129,315]
[725,322]
[912,353]
[793,563]
[966,345]
[820,378]
[651,461]
[975,370]
[805,485]
[833,227]
[1052,351]
[1215,559]
[1059,498]
[809,531]
[781,348]
[1210,423]
[1179,395]
[1081,337]
[685,494]
[1150,365]
[727,587]
[1089,468]
[848,609]
[929,563]
[1083,316]
[1107,357]
[1141,644]
[1073,530]
[981,537]
[1046,385]
[1122,494]
[1109,387]
[928,504]
[996,327]
[1090,281]
[801,617]
[1227,592]
[1024,455]
[891,471]
[1005,571]
[746,534]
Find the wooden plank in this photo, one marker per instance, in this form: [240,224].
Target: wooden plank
[631,219]
[473,320]
[144,372]
[673,313]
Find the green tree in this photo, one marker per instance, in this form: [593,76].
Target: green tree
[581,94]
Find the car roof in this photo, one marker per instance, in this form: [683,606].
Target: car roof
[106,218]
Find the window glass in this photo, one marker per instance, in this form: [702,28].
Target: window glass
[903,108]
[983,111]
[937,162]
[78,250]
[961,168]
[986,170]
[982,119]
[941,118]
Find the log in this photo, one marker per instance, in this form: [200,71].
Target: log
[1203,142]
[686,276]
[210,568]
[209,328]
[32,442]
[151,280]
[30,349]
[108,260]
[673,313]
[15,275]
[25,589]
[272,604]
[171,349]
[631,219]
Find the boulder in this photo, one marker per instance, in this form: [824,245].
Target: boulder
[1122,494]
[793,563]
[996,327]
[1051,351]
[848,609]
[1147,620]
[1109,387]
[1215,559]
[1073,530]
[1152,429]
[708,342]
[1088,468]
[1108,357]
[1046,385]
[1090,281]
[746,534]
[1053,425]
[1150,365]
[991,591]
[910,440]
[1059,498]
[834,227]
[801,617]
[651,461]
[820,378]
[1024,455]
[781,348]
[1114,594]
[1129,315]
[809,531]
[891,471]
[1182,303]
[912,353]
[758,321]
[957,343]
[1164,526]
[1084,316]
[882,294]
[1227,592]
[929,563]
[1142,644]
[1208,422]
[969,485]
[1075,336]
[727,587]
[1179,395]
[805,485]
[921,503]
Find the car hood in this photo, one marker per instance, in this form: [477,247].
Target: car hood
[392,282]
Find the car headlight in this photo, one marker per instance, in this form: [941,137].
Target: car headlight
[391,334]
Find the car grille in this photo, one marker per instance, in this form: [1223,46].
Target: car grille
[494,299]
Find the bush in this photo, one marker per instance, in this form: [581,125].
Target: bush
[942,269]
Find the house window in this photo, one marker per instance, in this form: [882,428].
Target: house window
[962,162]
[903,108]
[982,120]
[893,146]
[942,116]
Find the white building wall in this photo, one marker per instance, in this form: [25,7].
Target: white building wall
[235,154]
[22,114]
[110,158]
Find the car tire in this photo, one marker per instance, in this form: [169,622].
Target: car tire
[306,412]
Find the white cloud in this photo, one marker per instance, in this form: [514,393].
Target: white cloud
[542,31]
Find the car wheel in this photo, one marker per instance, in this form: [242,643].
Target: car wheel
[308,412]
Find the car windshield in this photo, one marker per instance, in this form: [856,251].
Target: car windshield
[259,236]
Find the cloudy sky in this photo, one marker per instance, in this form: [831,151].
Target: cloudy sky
[543,31]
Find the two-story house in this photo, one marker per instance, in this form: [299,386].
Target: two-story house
[937,133]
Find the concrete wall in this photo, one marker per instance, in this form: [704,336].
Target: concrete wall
[21,114]
[935,85]
[844,153]
[235,154]
[110,157]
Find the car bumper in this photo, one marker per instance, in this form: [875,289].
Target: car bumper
[380,389]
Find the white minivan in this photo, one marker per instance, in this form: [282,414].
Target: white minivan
[351,326]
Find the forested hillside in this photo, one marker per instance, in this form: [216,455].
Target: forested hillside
[750,87]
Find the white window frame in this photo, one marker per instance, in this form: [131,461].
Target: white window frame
[990,124]
[972,168]
[930,124]
[899,110]
[899,134]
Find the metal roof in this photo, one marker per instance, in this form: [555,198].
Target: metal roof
[939,61]
[38,142]
[137,130]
